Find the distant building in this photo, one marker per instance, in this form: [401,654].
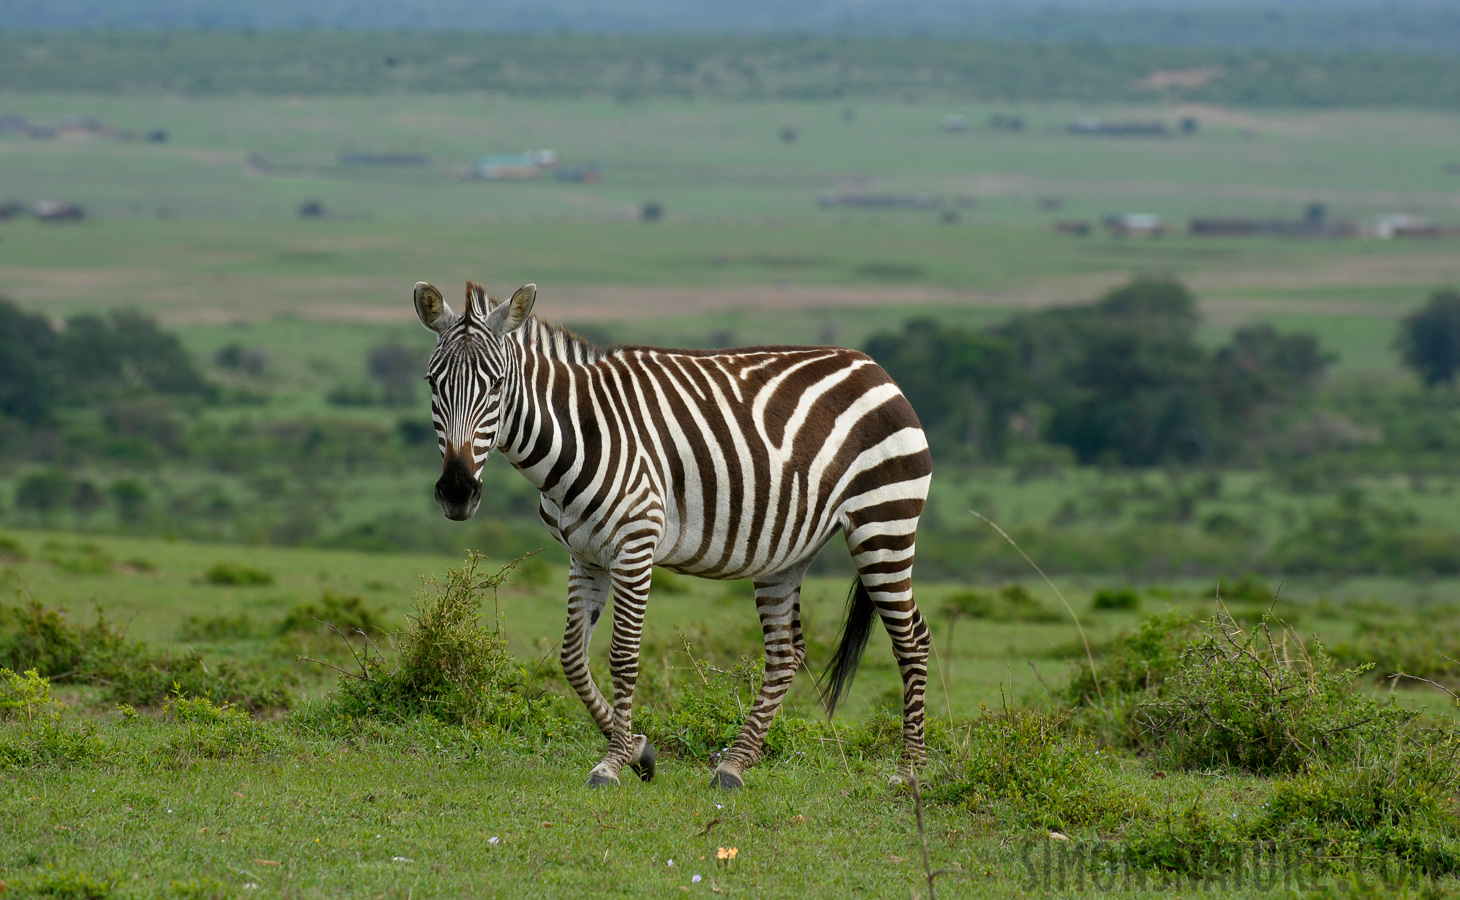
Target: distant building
[1134,225]
[58,211]
[1125,128]
[954,122]
[516,166]
[1402,225]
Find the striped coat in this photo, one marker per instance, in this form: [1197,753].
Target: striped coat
[724,464]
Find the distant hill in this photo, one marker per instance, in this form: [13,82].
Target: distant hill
[1417,25]
[748,67]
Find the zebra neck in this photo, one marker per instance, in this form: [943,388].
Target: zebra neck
[548,417]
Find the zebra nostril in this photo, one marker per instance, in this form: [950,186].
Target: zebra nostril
[457,485]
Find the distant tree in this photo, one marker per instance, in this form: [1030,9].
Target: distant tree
[1261,366]
[123,352]
[27,374]
[44,492]
[396,368]
[964,385]
[1429,339]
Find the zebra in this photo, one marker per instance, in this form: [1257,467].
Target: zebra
[728,464]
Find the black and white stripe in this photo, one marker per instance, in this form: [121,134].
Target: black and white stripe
[724,464]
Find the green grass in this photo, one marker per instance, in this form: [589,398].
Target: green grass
[196,801]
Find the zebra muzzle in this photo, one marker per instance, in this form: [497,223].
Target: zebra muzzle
[457,490]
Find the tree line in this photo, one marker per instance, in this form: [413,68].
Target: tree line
[742,67]
[1125,380]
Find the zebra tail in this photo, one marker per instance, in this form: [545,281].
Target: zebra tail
[857,628]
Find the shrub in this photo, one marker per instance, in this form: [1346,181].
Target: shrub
[35,736]
[210,731]
[1010,603]
[1024,767]
[237,575]
[26,696]
[151,680]
[1138,662]
[11,550]
[37,637]
[222,627]
[1424,650]
[1252,702]
[1116,599]
[348,614]
[448,664]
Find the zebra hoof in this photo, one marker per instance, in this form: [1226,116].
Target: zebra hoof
[727,781]
[643,764]
[598,779]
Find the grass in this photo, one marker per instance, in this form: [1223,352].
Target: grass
[201,799]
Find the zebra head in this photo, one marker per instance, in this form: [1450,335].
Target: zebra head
[467,373]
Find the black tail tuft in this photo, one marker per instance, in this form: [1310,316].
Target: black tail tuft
[855,631]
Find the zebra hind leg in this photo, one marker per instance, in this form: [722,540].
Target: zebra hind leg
[776,600]
[884,560]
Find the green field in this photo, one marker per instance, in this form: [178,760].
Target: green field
[325,810]
[1341,520]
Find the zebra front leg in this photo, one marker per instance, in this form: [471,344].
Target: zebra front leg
[587,597]
[780,621]
[630,596]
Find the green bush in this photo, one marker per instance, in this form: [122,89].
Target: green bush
[448,665]
[152,679]
[32,734]
[349,615]
[11,550]
[37,637]
[1135,663]
[26,696]
[210,731]
[1261,704]
[1010,603]
[1427,649]
[218,628]
[237,575]
[1124,599]
[1025,768]
[33,636]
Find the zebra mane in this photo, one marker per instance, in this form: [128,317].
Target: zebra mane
[555,342]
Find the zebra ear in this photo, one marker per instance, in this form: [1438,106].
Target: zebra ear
[431,308]
[509,316]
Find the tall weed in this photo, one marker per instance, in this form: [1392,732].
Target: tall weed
[447,663]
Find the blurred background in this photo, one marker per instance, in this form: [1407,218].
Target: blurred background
[1170,284]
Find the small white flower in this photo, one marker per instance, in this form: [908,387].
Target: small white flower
[670,863]
[695,879]
[494,840]
[250,886]
[169,810]
[401,859]
[719,806]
